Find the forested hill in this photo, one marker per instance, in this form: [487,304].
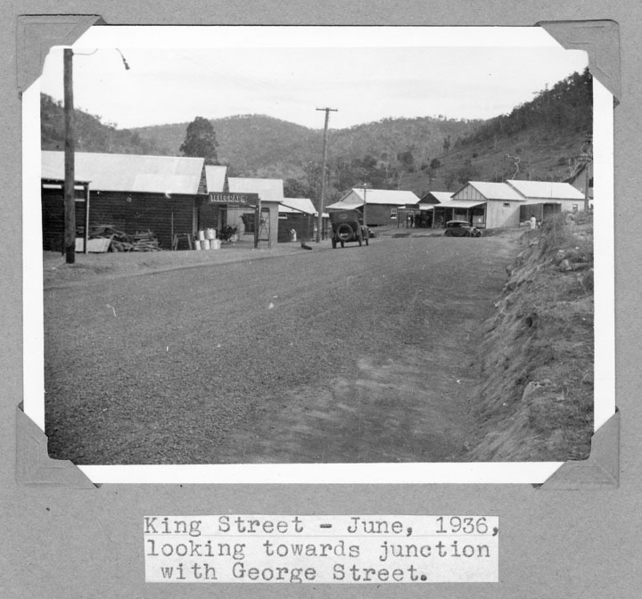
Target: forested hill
[92,135]
[544,139]
[262,146]
[251,145]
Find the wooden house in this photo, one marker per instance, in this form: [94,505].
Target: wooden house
[130,192]
[381,206]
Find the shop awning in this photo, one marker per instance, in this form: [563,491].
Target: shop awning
[462,204]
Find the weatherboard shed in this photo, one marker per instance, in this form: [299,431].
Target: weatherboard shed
[382,206]
[127,191]
[298,215]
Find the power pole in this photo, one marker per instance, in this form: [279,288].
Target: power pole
[69,239]
[325,157]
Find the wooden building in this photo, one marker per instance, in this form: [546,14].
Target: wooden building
[132,193]
[426,207]
[300,215]
[381,206]
[486,205]
[497,205]
[569,198]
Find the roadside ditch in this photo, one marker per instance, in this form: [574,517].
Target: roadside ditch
[535,399]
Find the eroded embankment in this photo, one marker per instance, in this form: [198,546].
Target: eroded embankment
[535,402]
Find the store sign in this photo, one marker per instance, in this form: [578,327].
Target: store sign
[240,199]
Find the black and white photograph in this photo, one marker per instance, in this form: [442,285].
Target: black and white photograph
[325,247]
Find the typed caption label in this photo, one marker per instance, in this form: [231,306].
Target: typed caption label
[320,549]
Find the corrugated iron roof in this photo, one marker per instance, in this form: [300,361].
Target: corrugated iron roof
[441,196]
[459,204]
[546,190]
[215,178]
[394,197]
[297,206]
[128,172]
[270,190]
[349,203]
[495,191]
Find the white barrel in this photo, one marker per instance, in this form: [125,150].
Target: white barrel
[197,244]
[215,244]
[210,234]
[206,244]
[201,235]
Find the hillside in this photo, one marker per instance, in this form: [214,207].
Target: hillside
[540,140]
[252,145]
[92,135]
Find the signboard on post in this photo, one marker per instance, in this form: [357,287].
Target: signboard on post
[238,199]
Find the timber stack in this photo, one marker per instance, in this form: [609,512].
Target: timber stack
[144,241]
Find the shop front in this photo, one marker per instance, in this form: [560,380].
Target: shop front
[239,217]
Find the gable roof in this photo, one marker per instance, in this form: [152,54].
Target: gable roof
[396,197]
[546,190]
[128,172]
[297,206]
[391,197]
[460,204]
[268,189]
[215,178]
[440,196]
[494,191]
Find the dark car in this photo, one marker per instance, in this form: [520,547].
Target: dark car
[347,226]
[461,228]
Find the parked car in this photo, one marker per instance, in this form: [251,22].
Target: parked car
[347,226]
[461,228]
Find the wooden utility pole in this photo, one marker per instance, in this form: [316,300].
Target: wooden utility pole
[365,221]
[69,240]
[325,158]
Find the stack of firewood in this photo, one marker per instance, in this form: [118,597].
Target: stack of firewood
[122,242]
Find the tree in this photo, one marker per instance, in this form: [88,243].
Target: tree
[293,188]
[435,164]
[407,160]
[200,141]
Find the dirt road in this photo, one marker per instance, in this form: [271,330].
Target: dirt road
[348,355]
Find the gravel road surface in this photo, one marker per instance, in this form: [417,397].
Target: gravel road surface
[362,354]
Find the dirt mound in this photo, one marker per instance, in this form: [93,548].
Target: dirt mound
[536,399]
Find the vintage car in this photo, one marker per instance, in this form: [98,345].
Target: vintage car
[461,228]
[347,226]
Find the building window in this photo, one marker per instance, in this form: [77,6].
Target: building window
[506,204]
[248,221]
[393,213]
[575,207]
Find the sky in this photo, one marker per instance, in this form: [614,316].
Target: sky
[366,73]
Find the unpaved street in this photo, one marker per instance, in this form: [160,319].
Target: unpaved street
[348,355]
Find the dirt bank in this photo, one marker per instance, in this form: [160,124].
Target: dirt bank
[535,402]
